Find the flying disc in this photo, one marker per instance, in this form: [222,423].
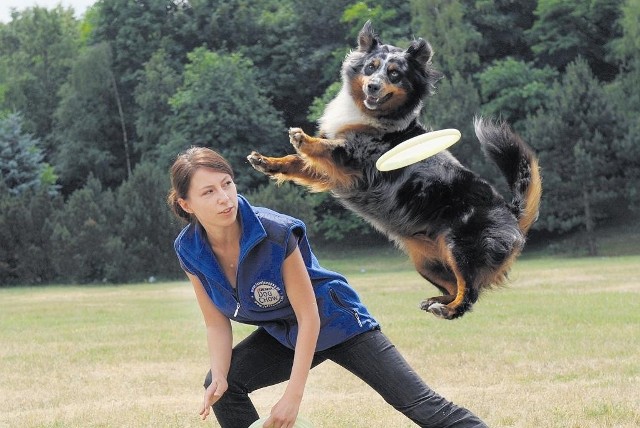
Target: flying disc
[417,148]
[300,423]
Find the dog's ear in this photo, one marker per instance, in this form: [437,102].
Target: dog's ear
[421,51]
[367,38]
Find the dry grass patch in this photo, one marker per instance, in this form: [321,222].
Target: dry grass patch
[557,348]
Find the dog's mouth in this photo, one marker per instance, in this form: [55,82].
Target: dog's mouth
[372,103]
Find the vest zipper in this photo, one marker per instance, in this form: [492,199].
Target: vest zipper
[337,301]
[237,297]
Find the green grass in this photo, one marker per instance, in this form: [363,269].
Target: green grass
[558,347]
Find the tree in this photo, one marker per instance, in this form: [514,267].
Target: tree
[158,84]
[513,89]
[454,40]
[221,105]
[577,137]
[36,51]
[79,234]
[135,29]
[567,29]
[502,24]
[22,165]
[25,232]
[625,97]
[142,245]
[91,128]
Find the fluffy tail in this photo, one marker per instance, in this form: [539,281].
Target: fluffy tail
[519,165]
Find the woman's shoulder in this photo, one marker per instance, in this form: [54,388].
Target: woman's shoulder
[186,238]
[278,226]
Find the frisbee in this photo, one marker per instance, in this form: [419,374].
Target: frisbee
[417,148]
[300,423]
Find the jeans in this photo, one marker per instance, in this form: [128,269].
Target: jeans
[259,361]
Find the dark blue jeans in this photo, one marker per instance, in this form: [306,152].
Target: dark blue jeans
[259,361]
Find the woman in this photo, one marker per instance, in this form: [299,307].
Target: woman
[255,266]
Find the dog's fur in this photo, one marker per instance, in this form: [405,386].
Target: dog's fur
[461,235]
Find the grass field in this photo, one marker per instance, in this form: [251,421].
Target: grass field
[560,347]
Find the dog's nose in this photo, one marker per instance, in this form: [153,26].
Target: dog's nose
[374,86]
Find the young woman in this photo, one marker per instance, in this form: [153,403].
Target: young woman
[255,266]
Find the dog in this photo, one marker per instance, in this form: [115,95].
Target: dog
[460,233]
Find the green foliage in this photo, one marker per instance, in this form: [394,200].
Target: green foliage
[22,165]
[88,133]
[36,51]
[513,89]
[159,82]
[220,105]
[576,135]
[454,39]
[142,244]
[567,29]
[79,232]
[626,47]
[25,232]
[502,24]
[288,199]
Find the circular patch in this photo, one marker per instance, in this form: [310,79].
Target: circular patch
[266,294]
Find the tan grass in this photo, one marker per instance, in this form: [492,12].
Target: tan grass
[557,348]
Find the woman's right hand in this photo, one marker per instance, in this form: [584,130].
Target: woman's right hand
[212,394]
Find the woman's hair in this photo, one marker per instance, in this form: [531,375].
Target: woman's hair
[182,170]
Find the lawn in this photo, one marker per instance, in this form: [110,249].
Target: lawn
[559,347]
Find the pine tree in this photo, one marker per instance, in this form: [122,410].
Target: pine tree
[22,165]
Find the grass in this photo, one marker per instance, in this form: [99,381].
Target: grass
[557,348]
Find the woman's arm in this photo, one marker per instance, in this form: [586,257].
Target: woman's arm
[220,342]
[303,301]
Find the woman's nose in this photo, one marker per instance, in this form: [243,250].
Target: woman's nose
[223,198]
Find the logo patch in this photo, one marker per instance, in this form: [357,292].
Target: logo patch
[266,294]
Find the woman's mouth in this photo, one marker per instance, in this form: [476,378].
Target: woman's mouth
[226,211]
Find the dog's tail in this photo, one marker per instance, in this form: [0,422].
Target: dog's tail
[519,165]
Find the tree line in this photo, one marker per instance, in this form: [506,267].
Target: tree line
[93,110]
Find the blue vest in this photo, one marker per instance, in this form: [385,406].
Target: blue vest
[260,297]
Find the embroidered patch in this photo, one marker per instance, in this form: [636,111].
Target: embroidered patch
[266,294]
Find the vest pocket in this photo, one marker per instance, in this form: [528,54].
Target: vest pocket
[338,301]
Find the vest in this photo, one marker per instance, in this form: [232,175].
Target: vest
[260,297]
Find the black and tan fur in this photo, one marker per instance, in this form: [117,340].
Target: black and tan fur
[461,235]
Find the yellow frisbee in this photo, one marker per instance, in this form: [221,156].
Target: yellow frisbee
[417,148]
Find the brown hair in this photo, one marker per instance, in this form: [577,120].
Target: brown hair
[183,169]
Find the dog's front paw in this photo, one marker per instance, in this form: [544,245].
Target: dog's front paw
[261,163]
[297,137]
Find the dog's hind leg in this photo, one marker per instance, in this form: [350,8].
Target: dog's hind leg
[435,261]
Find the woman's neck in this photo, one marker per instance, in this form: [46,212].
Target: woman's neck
[223,237]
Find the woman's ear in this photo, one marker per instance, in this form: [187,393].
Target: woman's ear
[185,205]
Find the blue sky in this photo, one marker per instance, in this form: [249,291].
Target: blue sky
[79,6]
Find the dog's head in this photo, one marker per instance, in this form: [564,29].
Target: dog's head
[386,81]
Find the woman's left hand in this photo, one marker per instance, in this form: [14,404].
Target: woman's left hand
[284,413]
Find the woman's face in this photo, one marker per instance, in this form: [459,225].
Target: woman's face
[212,198]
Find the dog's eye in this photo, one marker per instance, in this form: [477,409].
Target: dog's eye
[394,75]
[369,69]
